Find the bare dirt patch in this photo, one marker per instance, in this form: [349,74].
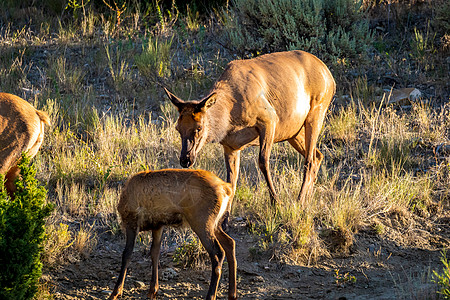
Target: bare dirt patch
[395,265]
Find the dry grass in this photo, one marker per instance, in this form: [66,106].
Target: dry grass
[99,84]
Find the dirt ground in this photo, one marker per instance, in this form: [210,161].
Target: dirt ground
[383,265]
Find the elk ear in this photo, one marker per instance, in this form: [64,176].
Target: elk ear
[174,99]
[206,103]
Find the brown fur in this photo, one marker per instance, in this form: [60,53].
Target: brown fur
[269,99]
[21,130]
[151,200]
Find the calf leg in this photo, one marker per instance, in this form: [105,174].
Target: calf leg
[212,246]
[154,253]
[229,246]
[131,234]
[217,256]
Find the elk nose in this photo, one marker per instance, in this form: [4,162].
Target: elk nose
[185,161]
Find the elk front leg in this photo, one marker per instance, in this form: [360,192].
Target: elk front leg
[131,233]
[154,253]
[266,136]
[232,162]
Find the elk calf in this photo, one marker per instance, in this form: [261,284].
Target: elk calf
[152,199]
[21,130]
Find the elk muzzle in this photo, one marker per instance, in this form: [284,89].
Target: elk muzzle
[187,156]
[186,161]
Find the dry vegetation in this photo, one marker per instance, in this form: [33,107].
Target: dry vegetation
[386,170]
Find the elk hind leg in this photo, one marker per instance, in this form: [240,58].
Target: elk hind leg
[229,246]
[154,253]
[131,233]
[10,177]
[305,144]
[217,257]
[8,166]
[31,147]
[216,254]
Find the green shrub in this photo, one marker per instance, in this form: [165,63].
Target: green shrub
[202,6]
[443,280]
[441,21]
[191,253]
[334,30]
[21,235]
[155,60]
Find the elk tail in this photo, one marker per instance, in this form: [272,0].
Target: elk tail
[43,116]
[228,189]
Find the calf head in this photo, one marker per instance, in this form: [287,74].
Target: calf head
[192,125]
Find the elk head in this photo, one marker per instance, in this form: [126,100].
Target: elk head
[192,125]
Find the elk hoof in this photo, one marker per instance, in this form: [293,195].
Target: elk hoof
[113,297]
[152,295]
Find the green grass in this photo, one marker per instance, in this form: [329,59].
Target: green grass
[443,279]
[110,119]
[154,62]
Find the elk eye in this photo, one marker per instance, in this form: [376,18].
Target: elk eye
[198,129]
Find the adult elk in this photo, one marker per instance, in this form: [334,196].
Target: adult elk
[21,130]
[269,99]
[152,199]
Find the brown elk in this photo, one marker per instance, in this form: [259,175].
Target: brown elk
[21,130]
[152,199]
[269,99]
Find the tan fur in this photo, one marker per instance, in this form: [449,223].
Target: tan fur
[21,130]
[151,200]
[269,99]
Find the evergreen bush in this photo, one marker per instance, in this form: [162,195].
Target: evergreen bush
[441,20]
[22,233]
[334,30]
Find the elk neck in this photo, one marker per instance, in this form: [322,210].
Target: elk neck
[218,117]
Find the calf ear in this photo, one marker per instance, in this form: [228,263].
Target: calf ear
[206,102]
[174,99]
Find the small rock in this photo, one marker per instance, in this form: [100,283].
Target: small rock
[443,149]
[106,292]
[168,274]
[139,284]
[375,249]
[156,122]
[304,272]
[400,95]
[345,98]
